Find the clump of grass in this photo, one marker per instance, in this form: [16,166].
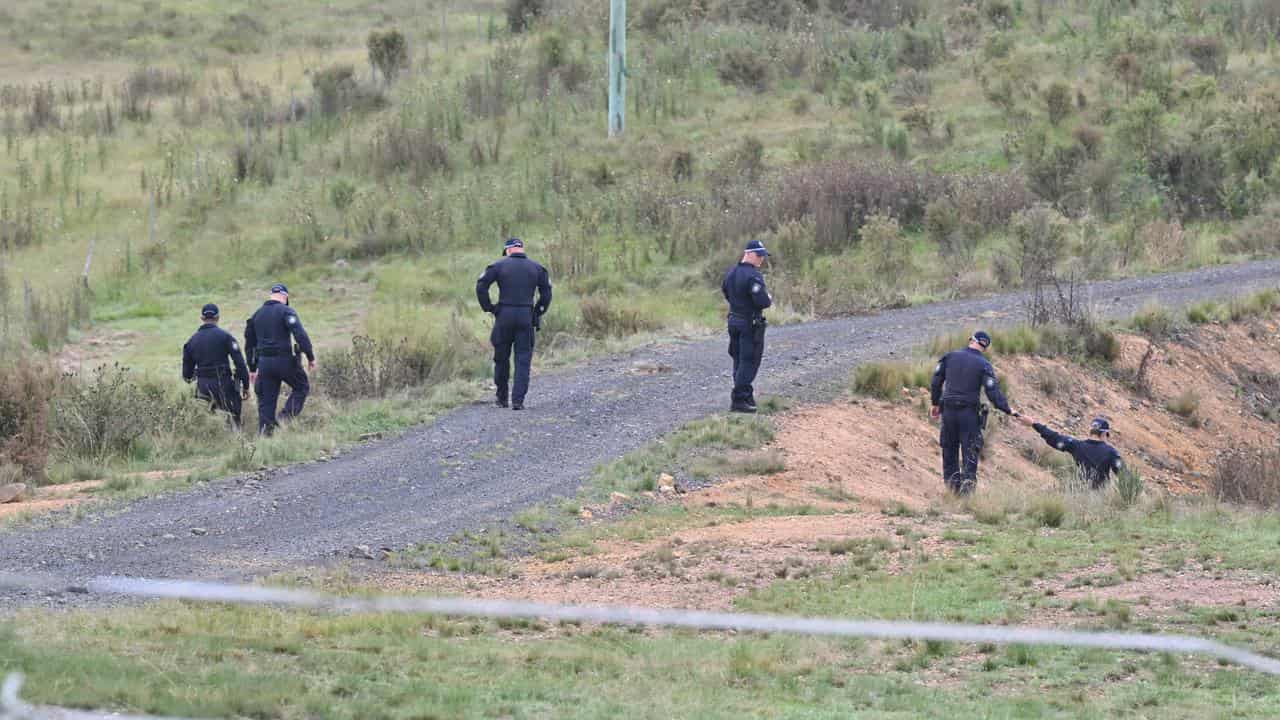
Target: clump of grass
[1185,405]
[1206,312]
[1155,321]
[887,380]
[1049,512]
[1129,486]
[1248,476]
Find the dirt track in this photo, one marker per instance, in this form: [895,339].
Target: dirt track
[478,464]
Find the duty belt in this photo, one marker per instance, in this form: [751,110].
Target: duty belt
[213,372]
[748,318]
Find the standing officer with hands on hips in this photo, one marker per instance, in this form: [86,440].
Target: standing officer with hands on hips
[958,382]
[515,317]
[204,359]
[273,358]
[744,289]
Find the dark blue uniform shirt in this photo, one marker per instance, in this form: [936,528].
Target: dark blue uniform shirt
[206,355]
[271,333]
[745,290]
[960,378]
[1095,459]
[517,277]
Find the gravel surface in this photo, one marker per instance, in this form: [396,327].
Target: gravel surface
[478,464]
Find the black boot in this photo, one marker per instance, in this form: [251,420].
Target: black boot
[517,405]
[742,406]
[501,402]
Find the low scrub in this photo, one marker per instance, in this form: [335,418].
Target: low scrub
[1185,405]
[603,317]
[25,391]
[105,414]
[888,380]
[1248,476]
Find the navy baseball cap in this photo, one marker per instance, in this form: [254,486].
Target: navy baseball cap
[279,288]
[982,338]
[209,311]
[513,243]
[757,247]
[1100,425]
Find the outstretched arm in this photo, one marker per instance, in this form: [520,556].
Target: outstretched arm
[1055,440]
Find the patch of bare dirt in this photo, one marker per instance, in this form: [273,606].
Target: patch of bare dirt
[51,497]
[97,347]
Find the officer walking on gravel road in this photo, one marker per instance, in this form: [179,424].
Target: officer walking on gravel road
[205,360]
[958,381]
[745,291]
[516,317]
[1095,458]
[275,343]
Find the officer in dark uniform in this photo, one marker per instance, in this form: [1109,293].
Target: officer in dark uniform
[745,291]
[204,359]
[274,358]
[1095,458]
[958,382]
[515,317]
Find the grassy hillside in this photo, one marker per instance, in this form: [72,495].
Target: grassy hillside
[891,152]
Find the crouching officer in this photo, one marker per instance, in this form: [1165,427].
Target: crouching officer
[745,291]
[205,360]
[514,317]
[269,338]
[958,382]
[1095,458]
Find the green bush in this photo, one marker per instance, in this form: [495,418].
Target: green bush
[1248,476]
[1156,322]
[1185,405]
[744,67]
[388,52]
[521,14]
[886,380]
[105,414]
[1208,52]
[1129,486]
[602,317]
[1058,100]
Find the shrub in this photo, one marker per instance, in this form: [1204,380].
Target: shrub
[338,91]
[1040,237]
[1050,164]
[919,118]
[601,317]
[374,369]
[522,13]
[1205,312]
[1248,476]
[105,414]
[1156,322]
[1208,53]
[419,151]
[388,52]
[1049,512]
[25,391]
[999,13]
[878,14]
[1185,404]
[1090,138]
[1129,486]
[745,68]
[1057,100]
[886,380]
[775,14]
[888,253]
[998,46]
[1258,235]
[920,50]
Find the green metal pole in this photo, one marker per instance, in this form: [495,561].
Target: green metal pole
[617,67]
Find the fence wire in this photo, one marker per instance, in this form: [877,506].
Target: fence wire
[652,617]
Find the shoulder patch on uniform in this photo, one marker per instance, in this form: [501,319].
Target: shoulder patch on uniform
[293,320]
[937,368]
[756,287]
[1119,463]
[991,382]
[235,346]
[1062,445]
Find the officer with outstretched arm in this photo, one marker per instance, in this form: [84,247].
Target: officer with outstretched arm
[958,381]
[515,317]
[208,358]
[748,297]
[1095,458]
[269,339]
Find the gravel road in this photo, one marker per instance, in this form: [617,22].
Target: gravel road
[478,464]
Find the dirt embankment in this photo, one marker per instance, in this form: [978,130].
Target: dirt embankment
[850,466]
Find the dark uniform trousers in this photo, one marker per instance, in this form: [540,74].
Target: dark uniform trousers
[221,393]
[746,347]
[272,371]
[961,442]
[512,328]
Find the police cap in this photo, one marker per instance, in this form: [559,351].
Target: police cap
[209,311]
[513,243]
[757,247]
[279,288]
[1100,425]
[982,338]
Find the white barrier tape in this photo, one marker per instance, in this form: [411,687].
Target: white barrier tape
[693,619]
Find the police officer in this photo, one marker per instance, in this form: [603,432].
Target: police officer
[1095,458]
[516,316]
[204,359]
[958,382]
[269,339]
[745,291]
